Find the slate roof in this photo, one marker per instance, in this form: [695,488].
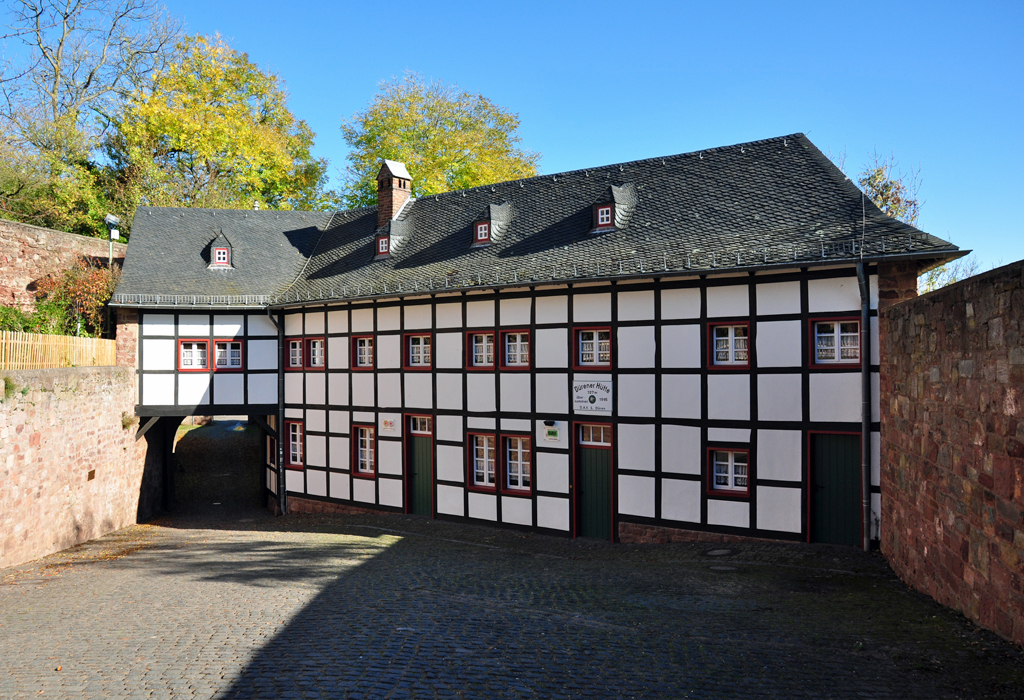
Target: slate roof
[774,202]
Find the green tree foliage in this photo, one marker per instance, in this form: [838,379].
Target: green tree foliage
[448,138]
[69,302]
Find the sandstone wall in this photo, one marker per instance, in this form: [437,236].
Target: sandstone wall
[953,446]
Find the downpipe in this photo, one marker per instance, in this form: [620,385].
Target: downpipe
[282,498]
[865,403]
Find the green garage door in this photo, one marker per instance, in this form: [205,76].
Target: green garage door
[835,489]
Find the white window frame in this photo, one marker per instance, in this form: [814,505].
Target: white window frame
[364,351]
[316,352]
[729,473]
[604,215]
[295,353]
[736,347]
[231,355]
[591,337]
[484,461]
[836,337]
[295,455]
[420,425]
[365,450]
[383,245]
[603,438]
[517,349]
[483,232]
[419,350]
[221,256]
[518,463]
[483,350]
[187,357]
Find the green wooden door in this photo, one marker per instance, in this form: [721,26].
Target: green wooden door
[835,489]
[594,493]
[420,474]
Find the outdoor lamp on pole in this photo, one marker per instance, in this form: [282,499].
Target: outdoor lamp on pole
[111,221]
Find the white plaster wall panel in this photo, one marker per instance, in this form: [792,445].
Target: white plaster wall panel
[778,298]
[260,325]
[552,472]
[636,446]
[480,392]
[876,458]
[362,389]
[261,354]
[680,449]
[636,495]
[592,308]
[290,413]
[680,500]
[680,303]
[779,397]
[636,346]
[316,420]
[732,513]
[449,315]
[294,481]
[315,323]
[680,395]
[293,324]
[518,511]
[449,500]
[417,316]
[362,320]
[680,346]
[158,353]
[262,388]
[389,390]
[779,344]
[636,395]
[449,391]
[316,388]
[552,309]
[193,389]
[316,451]
[193,326]
[835,396]
[636,306]
[338,486]
[337,385]
[390,492]
[158,389]
[227,325]
[551,347]
[729,396]
[337,321]
[293,382]
[515,312]
[316,482]
[389,457]
[733,300]
[272,481]
[778,509]
[229,388]
[448,350]
[483,506]
[396,425]
[835,294]
[552,393]
[876,388]
[159,324]
[480,423]
[450,466]
[339,452]
[448,428]
[419,390]
[728,435]
[389,318]
[389,352]
[337,352]
[480,313]
[779,455]
[515,392]
[364,417]
[553,513]
[520,425]
[338,422]
[873,291]
[364,490]
[564,435]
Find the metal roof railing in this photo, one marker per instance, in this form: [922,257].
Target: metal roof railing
[259,300]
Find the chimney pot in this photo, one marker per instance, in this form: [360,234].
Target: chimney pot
[392,190]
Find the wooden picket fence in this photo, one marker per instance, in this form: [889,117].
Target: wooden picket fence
[36,351]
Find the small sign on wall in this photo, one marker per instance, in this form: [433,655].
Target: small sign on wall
[387,425]
[592,397]
[551,433]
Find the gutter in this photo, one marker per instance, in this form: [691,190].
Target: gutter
[865,403]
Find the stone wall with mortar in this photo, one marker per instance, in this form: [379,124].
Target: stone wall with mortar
[953,446]
[69,469]
[29,253]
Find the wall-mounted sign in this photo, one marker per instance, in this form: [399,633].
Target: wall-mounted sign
[551,433]
[387,425]
[590,396]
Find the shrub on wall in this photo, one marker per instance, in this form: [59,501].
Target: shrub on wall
[70,302]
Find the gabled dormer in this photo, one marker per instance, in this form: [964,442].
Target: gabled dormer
[389,240]
[614,210]
[221,255]
[491,224]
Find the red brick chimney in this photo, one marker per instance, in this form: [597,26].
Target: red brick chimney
[393,189]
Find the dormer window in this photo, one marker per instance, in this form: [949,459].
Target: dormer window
[482,232]
[220,253]
[603,216]
[221,256]
[383,245]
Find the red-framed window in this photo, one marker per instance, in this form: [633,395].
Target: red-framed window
[515,349]
[193,355]
[835,343]
[593,347]
[418,351]
[604,216]
[221,256]
[729,471]
[482,462]
[294,354]
[481,232]
[364,451]
[383,245]
[517,465]
[729,345]
[480,350]
[227,356]
[315,353]
[362,353]
[295,447]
